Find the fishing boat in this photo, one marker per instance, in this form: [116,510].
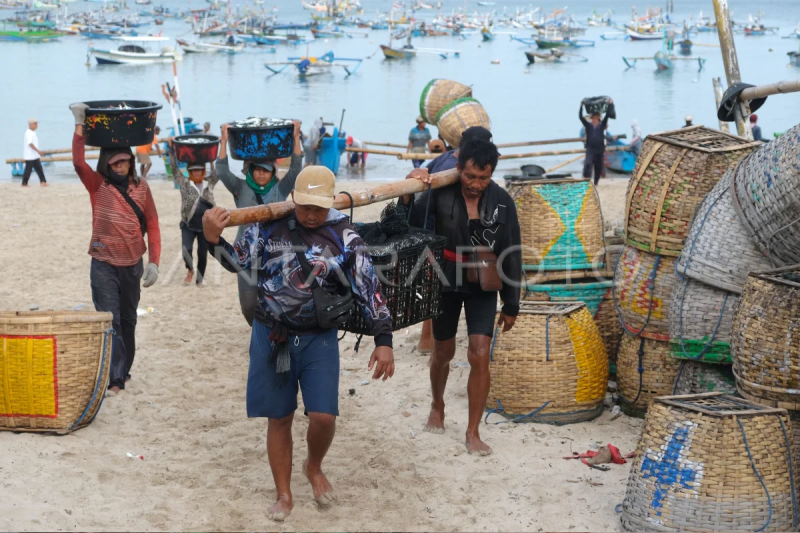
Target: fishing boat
[43,5]
[664,61]
[554,56]
[398,53]
[210,48]
[28,34]
[640,36]
[328,34]
[759,30]
[131,53]
[794,58]
[484,3]
[313,66]
[487,35]
[598,20]
[620,161]
[686,46]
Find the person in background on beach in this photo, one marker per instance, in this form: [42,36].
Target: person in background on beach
[292,342]
[355,157]
[419,140]
[636,141]
[143,154]
[196,198]
[437,146]
[446,161]
[123,211]
[32,155]
[207,128]
[476,215]
[595,144]
[260,186]
[689,121]
[755,128]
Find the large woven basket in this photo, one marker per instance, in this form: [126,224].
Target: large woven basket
[561,225]
[675,170]
[54,368]
[766,336]
[437,94]
[551,367]
[712,462]
[700,322]
[767,190]
[645,369]
[794,416]
[598,295]
[696,378]
[643,284]
[459,115]
[719,250]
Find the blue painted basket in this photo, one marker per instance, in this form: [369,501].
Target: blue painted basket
[268,142]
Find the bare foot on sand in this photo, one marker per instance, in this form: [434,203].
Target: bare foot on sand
[188,279]
[435,421]
[323,490]
[281,510]
[475,446]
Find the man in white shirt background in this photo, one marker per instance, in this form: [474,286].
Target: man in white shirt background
[32,155]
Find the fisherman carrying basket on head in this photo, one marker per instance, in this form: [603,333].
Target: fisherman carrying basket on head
[123,211]
[483,256]
[260,186]
[313,270]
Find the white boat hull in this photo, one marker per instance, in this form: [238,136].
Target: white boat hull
[208,48]
[129,58]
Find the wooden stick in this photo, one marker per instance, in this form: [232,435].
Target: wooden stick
[565,163]
[373,151]
[88,149]
[361,197]
[782,87]
[519,156]
[57,158]
[386,144]
[551,141]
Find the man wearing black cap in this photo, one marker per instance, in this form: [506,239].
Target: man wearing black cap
[483,256]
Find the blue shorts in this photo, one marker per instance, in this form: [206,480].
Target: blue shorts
[314,367]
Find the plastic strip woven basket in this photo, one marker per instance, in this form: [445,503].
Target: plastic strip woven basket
[54,369]
[675,170]
[712,462]
[552,363]
[766,336]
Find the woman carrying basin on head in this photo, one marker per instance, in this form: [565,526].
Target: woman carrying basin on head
[260,186]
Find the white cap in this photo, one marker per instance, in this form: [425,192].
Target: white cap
[32,121]
[689,118]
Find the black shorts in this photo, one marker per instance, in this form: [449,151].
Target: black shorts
[480,309]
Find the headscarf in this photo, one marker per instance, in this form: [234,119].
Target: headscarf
[637,131]
[105,170]
[258,189]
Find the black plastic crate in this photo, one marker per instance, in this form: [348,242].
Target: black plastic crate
[410,300]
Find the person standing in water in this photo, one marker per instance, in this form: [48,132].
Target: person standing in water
[260,186]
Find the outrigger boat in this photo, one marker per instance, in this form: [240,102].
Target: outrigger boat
[794,58]
[641,36]
[664,61]
[408,51]
[133,54]
[311,66]
[554,56]
[29,34]
[210,48]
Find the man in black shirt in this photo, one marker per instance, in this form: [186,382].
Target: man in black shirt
[595,143]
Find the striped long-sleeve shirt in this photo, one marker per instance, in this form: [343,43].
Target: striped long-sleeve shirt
[116,234]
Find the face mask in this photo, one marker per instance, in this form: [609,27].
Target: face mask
[117,179]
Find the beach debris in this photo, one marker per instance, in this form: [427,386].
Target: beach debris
[495,61]
[364,382]
[412,432]
[256,122]
[34,307]
[134,456]
[605,454]
[140,311]
[615,412]
[352,392]
[78,307]
[406,414]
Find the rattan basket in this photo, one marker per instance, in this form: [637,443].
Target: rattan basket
[643,284]
[712,462]
[719,250]
[675,170]
[54,368]
[766,336]
[459,115]
[767,194]
[598,297]
[645,369]
[560,223]
[437,94]
[696,378]
[794,416]
[700,322]
[551,367]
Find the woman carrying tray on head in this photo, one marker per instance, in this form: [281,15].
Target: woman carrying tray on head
[117,244]
[483,256]
[260,186]
[312,266]
[196,198]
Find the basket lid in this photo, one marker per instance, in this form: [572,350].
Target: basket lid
[549,308]
[719,405]
[704,139]
[53,317]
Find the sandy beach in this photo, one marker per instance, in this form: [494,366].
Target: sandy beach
[205,463]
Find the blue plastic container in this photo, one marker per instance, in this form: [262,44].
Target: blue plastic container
[273,142]
[331,150]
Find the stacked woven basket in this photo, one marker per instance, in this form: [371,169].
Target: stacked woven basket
[450,106]
[665,315]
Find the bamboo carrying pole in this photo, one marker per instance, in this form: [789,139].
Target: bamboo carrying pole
[58,158]
[88,149]
[519,156]
[390,145]
[373,151]
[731,62]
[782,87]
[361,197]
